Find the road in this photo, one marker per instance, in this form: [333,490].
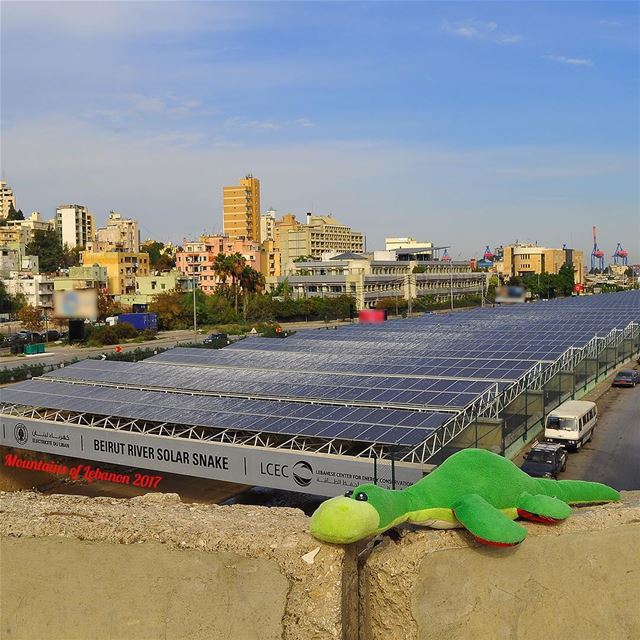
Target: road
[58,353]
[613,455]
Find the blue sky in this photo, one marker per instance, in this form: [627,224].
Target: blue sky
[462,123]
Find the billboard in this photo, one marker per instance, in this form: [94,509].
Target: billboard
[510,295]
[80,304]
[371,316]
[304,472]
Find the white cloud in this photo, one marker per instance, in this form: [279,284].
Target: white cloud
[575,62]
[268,125]
[305,123]
[480,30]
[172,183]
[121,19]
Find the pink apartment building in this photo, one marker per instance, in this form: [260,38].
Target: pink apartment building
[197,257]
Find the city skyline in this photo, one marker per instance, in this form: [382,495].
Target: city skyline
[454,123]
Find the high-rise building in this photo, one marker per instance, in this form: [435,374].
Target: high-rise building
[120,234]
[319,235]
[268,225]
[74,225]
[7,199]
[241,209]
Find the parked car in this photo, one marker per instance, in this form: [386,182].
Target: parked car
[545,460]
[626,378]
[219,339]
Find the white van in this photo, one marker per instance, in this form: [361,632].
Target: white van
[572,423]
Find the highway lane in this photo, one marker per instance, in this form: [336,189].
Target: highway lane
[613,455]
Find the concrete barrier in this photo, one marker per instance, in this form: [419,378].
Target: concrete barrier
[574,580]
[151,567]
[147,568]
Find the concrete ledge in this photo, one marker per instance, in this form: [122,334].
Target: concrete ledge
[577,579]
[151,567]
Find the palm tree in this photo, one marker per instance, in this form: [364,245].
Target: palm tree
[236,263]
[221,267]
[250,281]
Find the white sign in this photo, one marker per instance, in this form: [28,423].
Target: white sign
[318,474]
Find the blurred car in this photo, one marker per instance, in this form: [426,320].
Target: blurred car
[49,336]
[545,460]
[626,378]
[218,339]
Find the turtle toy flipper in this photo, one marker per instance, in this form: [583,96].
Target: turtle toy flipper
[486,523]
[474,488]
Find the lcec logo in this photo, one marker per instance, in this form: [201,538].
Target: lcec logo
[20,433]
[301,471]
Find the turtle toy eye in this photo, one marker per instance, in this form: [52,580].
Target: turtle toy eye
[363,497]
[347,494]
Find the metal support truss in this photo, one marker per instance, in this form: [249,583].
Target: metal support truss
[534,379]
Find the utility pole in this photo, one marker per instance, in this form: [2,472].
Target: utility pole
[193,287]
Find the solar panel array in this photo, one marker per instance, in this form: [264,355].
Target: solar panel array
[389,384]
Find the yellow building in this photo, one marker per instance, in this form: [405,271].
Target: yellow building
[269,259]
[122,268]
[241,209]
[522,260]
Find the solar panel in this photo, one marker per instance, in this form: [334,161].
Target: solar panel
[316,382]
[224,413]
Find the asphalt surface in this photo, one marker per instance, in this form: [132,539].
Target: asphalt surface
[613,455]
[57,354]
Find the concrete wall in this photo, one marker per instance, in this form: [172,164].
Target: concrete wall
[151,567]
[575,580]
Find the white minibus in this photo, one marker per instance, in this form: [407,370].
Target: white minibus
[572,423]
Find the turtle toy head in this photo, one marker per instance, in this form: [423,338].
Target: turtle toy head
[359,513]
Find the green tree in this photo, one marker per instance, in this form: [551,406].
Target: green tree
[158,259]
[13,214]
[107,307]
[566,279]
[172,310]
[46,245]
[31,318]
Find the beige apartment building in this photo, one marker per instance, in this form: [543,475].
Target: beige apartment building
[74,225]
[94,277]
[319,235]
[120,234]
[527,259]
[241,209]
[7,199]
[122,268]
[268,225]
[22,231]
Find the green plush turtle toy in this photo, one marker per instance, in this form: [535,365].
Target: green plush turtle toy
[474,488]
